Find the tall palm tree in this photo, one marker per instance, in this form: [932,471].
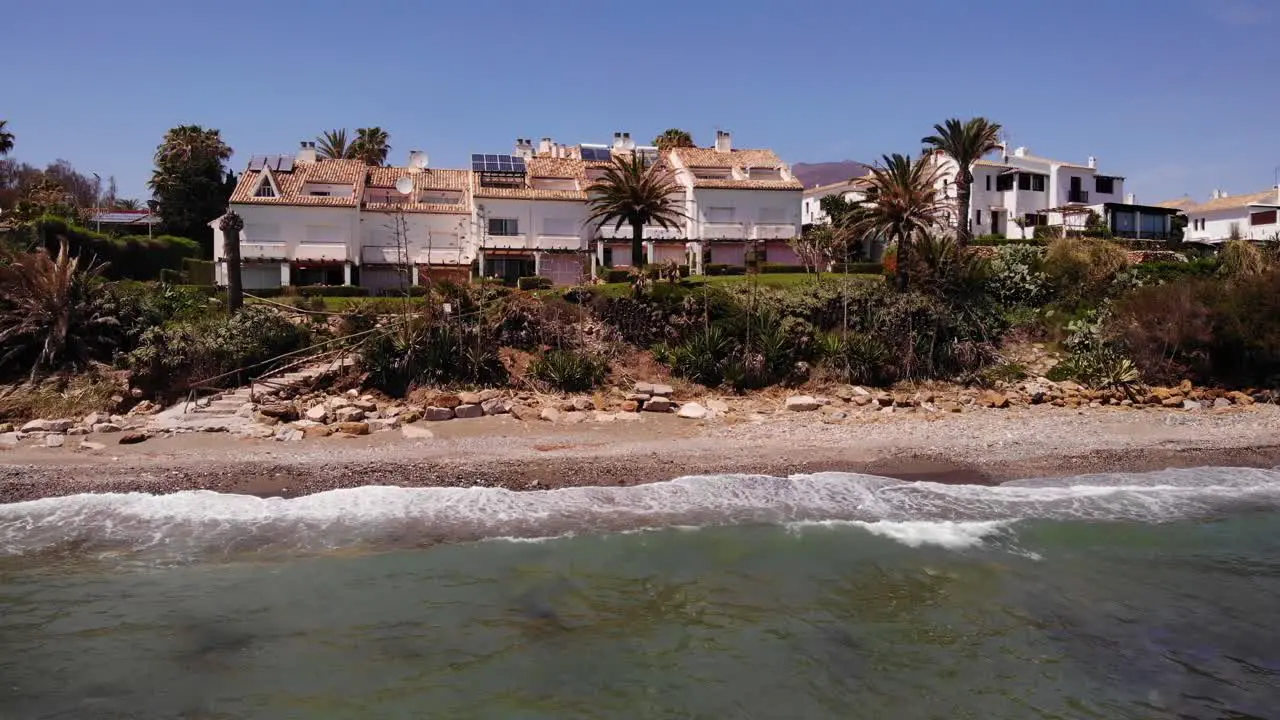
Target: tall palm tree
[673,138]
[6,138]
[635,193]
[903,205]
[371,146]
[333,145]
[231,224]
[965,143]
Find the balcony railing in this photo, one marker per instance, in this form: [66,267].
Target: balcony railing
[651,232]
[321,251]
[724,231]
[773,231]
[1078,196]
[263,250]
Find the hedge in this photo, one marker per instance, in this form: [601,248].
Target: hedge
[723,269]
[198,272]
[617,275]
[858,268]
[773,268]
[534,283]
[331,291]
[132,257]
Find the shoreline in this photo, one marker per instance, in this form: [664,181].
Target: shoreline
[974,448]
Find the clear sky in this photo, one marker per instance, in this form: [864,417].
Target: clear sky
[1178,96]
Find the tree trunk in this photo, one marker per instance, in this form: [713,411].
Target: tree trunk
[964,192]
[637,246]
[235,289]
[902,272]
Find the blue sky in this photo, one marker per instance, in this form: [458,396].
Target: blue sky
[1176,95]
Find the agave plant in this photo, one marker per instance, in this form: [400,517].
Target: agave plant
[49,316]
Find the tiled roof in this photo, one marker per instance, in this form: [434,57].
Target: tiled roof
[1181,203]
[542,167]
[710,157]
[290,184]
[731,184]
[1231,202]
[855,183]
[993,163]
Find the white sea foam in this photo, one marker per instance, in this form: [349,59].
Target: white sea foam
[915,533]
[202,522]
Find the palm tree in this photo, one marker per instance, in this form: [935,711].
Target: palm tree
[371,146]
[333,145]
[673,138]
[6,138]
[965,143]
[903,205]
[231,224]
[127,204]
[638,194]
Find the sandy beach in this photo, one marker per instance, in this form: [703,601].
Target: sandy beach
[974,447]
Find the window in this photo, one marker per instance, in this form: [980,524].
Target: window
[1037,183]
[504,226]
[773,215]
[608,256]
[265,190]
[988,183]
[1264,217]
[978,220]
[1035,219]
[319,193]
[1024,181]
[1233,230]
[1004,183]
[1104,185]
[719,214]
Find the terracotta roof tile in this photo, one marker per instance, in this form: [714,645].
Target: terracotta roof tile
[730,184]
[290,184]
[1181,203]
[542,167]
[1231,202]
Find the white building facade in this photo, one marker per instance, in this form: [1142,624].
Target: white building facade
[1224,217]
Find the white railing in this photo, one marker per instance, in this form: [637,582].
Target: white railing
[724,231]
[320,251]
[651,232]
[773,231]
[263,250]
[559,242]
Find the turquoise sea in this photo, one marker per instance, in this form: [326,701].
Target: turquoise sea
[820,596]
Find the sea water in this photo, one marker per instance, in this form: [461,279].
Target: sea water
[819,596]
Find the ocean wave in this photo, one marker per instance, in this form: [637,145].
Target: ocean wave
[916,533]
[203,522]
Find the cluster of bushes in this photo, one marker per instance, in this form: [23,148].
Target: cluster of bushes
[132,257]
[723,269]
[858,268]
[534,283]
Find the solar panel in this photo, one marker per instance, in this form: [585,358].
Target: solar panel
[498,163]
[257,162]
[596,153]
[286,163]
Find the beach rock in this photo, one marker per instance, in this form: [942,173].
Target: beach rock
[883,399]
[468,411]
[644,388]
[718,406]
[692,411]
[93,418]
[288,433]
[257,431]
[445,400]
[862,400]
[303,424]
[845,392]
[337,403]
[583,403]
[318,431]
[436,414]
[349,414]
[524,412]
[494,406]
[949,406]
[887,409]
[378,425]
[574,417]
[637,397]
[266,419]
[94,446]
[106,427]
[6,428]
[283,412]
[133,438]
[663,390]
[629,406]
[409,416]
[802,403]
[416,432]
[835,416]
[1174,401]
[1221,403]
[318,414]
[993,399]
[1239,398]
[77,430]
[470,398]
[903,401]
[8,439]
[1191,405]
[368,406]
[1185,387]
[490,394]
[565,405]
[54,440]
[146,407]
[35,426]
[659,404]
[549,414]
[604,417]
[1160,394]
[245,410]
[352,428]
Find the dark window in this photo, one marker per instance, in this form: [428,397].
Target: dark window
[978,221]
[1004,182]
[988,183]
[1035,220]
[1104,185]
[265,190]
[1037,183]
[608,256]
[504,226]
[1024,181]
[1264,217]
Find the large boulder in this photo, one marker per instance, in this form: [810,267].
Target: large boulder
[284,412]
[692,411]
[524,412]
[659,404]
[468,411]
[470,398]
[319,414]
[802,403]
[446,400]
[352,428]
[494,406]
[106,427]
[436,414]
[349,414]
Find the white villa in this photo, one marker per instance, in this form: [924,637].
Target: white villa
[1015,193]
[313,221]
[1224,216]
[811,212]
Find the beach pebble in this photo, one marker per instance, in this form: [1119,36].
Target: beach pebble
[802,403]
[692,411]
[468,411]
[416,432]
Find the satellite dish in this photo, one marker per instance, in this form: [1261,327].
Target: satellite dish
[419,160]
[404,185]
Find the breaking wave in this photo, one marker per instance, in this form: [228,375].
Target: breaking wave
[203,523]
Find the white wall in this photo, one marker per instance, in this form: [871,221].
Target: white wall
[542,224]
[292,232]
[1218,225]
[755,213]
[811,212]
[438,234]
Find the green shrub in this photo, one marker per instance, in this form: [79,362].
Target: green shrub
[859,359]
[858,268]
[424,352]
[171,358]
[206,290]
[199,272]
[132,257]
[617,275]
[998,240]
[1241,257]
[329,291]
[569,371]
[1083,271]
[1017,278]
[723,269]
[1158,273]
[534,283]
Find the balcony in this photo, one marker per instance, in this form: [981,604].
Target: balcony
[321,251]
[724,231]
[383,255]
[1078,196]
[262,250]
[773,231]
[651,232]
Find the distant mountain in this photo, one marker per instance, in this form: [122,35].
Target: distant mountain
[825,173]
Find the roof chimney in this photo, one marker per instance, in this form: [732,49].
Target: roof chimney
[620,141]
[1021,151]
[306,152]
[417,160]
[1129,199]
[524,148]
[544,146]
[1093,164]
[724,141]
[1215,194]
